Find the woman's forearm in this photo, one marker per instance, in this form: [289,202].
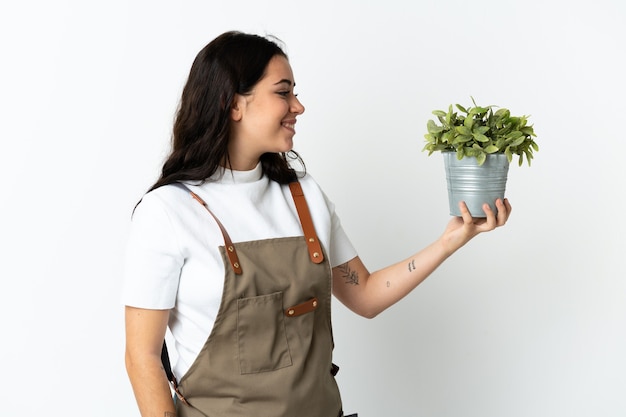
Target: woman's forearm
[389,285]
[152,391]
[370,294]
[145,331]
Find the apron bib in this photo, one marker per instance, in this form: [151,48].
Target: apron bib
[269,353]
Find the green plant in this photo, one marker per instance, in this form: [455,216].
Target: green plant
[478,131]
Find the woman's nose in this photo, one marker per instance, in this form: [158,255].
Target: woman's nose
[296,106]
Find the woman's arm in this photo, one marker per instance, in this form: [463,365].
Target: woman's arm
[369,294]
[145,331]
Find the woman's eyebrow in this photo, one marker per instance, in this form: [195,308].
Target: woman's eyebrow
[285,81]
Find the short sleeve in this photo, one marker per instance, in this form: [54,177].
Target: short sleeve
[340,248]
[153,259]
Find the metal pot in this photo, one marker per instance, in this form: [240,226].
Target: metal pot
[475,184]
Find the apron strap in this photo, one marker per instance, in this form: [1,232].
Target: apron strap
[230,248]
[165,360]
[312,242]
[315,249]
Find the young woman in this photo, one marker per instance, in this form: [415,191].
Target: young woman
[251,319]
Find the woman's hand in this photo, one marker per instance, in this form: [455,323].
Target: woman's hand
[461,230]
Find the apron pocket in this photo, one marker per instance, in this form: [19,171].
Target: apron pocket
[261,335]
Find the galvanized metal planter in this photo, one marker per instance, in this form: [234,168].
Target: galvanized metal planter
[474,184]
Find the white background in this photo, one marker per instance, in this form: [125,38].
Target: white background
[529,320]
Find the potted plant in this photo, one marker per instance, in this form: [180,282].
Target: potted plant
[478,144]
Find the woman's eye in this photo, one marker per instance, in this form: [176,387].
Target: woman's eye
[286,93]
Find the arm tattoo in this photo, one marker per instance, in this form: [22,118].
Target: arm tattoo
[349,276]
[412,265]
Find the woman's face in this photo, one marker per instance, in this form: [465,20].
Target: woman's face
[264,120]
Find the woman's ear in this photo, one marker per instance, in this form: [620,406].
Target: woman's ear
[237,107]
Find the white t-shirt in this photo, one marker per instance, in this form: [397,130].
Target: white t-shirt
[172,256]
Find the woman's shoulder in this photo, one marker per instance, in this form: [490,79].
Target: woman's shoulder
[308,183]
[307,178]
[166,198]
[312,190]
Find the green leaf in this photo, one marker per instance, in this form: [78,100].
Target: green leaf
[478,110]
[480,138]
[439,113]
[480,129]
[502,113]
[517,141]
[522,122]
[458,106]
[461,139]
[469,151]
[491,149]
[481,157]
[463,130]
[529,156]
[508,153]
[433,128]
[514,134]
[447,136]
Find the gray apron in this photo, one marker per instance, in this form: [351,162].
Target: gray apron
[270,351]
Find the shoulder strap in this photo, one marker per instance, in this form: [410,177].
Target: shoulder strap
[230,248]
[315,249]
[165,360]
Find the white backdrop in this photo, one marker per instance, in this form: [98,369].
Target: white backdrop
[529,320]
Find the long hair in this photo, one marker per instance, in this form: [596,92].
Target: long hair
[230,64]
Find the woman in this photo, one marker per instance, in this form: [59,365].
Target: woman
[250,319]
